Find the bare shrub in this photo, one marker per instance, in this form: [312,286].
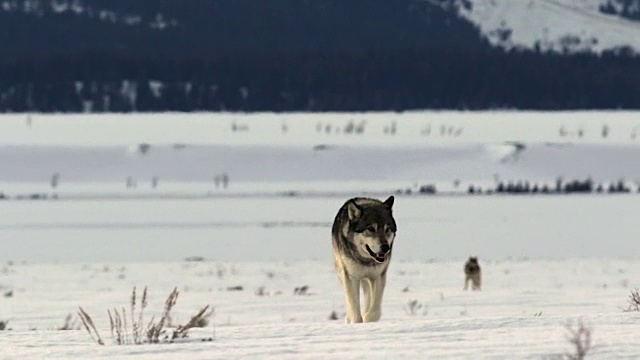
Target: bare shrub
[333,315]
[580,338]
[634,301]
[4,325]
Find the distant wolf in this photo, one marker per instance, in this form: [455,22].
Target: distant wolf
[363,233]
[472,273]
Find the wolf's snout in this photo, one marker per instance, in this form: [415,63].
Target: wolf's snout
[384,248]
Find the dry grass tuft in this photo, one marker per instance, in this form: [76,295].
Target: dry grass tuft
[153,332]
[201,319]
[88,324]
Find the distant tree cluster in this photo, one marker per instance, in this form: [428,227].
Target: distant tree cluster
[560,187]
[426,189]
[523,187]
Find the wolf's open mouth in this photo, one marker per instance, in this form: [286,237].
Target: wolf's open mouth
[379,257]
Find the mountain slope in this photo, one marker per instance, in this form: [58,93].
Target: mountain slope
[556,25]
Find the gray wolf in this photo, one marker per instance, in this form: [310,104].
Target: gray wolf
[472,273]
[363,233]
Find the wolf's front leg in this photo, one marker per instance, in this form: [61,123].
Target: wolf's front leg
[374,312]
[477,285]
[366,291]
[352,295]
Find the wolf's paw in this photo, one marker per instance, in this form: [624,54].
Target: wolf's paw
[371,316]
[348,320]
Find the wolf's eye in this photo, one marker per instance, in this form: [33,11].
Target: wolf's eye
[370,229]
[388,230]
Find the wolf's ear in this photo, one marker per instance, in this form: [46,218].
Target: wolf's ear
[389,202]
[353,210]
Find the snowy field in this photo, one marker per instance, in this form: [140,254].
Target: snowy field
[549,261]
[520,314]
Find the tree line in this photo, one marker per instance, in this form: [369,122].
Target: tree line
[442,78]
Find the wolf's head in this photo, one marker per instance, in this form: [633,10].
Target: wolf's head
[372,227]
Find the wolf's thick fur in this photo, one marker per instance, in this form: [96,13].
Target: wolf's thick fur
[363,233]
[472,273]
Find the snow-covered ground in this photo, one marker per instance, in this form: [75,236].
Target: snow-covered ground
[548,260]
[520,314]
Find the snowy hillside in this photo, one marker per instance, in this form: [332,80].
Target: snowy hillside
[559,25]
